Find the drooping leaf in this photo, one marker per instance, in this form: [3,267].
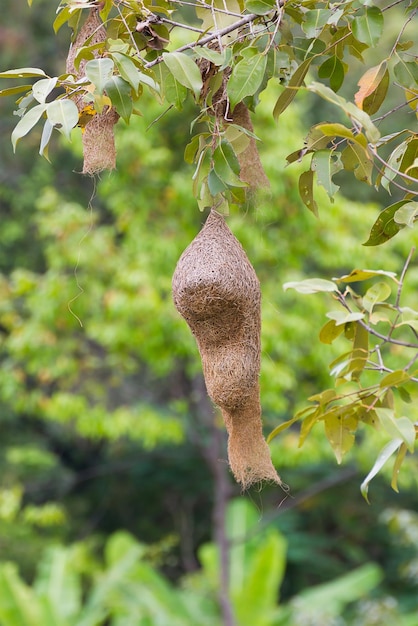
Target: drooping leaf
[330,331]
[246,78]
[397,466]
[45,138]
[325,164]
[184,70]
[355,158]
[63,115]
[383,457]
[311,285]
[333,69]
[373,86]
[128,70]
[385,227]
[119,91]
[226,165]
[291,90]
[397,427]
[306,181]
[340,430]
[393,163]
[28,121]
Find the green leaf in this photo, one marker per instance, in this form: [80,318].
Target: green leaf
[213,56]
[397,466]
[260,7]
[284,425]
[355,158]
[63,16]
[291,90]
[27,122]
[215,184]
[42,88]
[226,165]
[99,71]
[333,69]
[368,27]
[184,70]
[314,22]
[406,73]
[393,164]
[246,78]
[173,91]
[358,275]
[339,430]
[394,379]
[329,332]
[400,427]
[379,292]
[407,214]
[306,180]
[343,317]
[13,90]
[63,115]
[128,70]
[46,136]
[23,72]
[349,109]
[326,165]
[385,227]
[383,457]
[120,93]
[311,285]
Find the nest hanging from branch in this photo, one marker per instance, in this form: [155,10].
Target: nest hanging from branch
[216,290]
[251,168]
[98,135]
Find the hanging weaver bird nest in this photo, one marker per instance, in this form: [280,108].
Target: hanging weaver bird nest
[98,134]
[251,168]
[216,290]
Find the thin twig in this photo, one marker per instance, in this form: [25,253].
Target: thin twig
[201,42]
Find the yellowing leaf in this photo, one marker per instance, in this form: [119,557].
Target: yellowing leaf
[369,84]
[340,429]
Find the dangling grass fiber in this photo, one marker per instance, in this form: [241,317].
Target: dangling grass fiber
[216,290]
[98,135]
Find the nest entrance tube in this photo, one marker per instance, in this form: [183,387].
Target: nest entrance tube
[217,292]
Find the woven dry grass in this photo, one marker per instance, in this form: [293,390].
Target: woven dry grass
[98,137]
[251,168]
[216,290]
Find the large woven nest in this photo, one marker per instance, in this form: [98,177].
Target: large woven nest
[98,136]
[216,290]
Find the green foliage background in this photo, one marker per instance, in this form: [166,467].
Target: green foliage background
[102,407]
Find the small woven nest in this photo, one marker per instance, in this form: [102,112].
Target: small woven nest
[251,168]
[98,135]
[216,290]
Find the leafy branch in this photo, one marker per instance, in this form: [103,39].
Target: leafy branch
[372,384]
